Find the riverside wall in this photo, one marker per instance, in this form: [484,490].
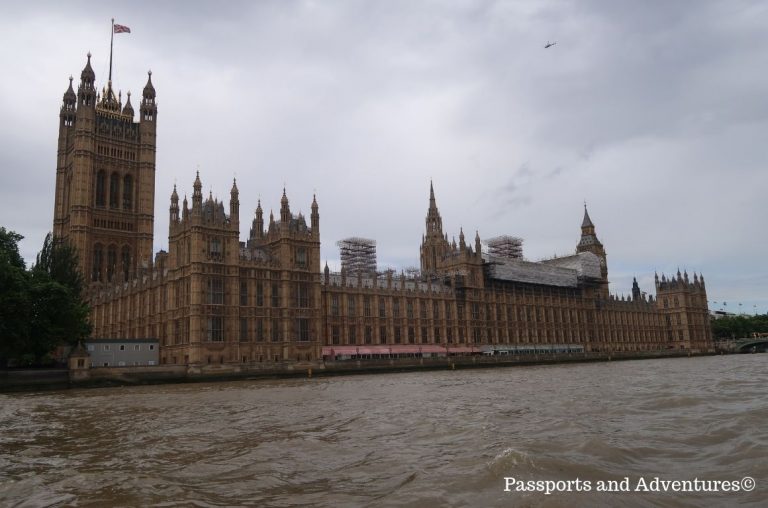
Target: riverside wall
[46,379]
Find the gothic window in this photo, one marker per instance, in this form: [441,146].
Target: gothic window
[367,306]
[302,295]
[259,330]
[214,248]
[411,335]
[215,329]
[114,190]
[368,335]
[382,307]
[98,258]
[215,291]
[243,292]
[351,311]
[111,262]
[409,308]
[334,305]
[275,330]
[352,335]
[383,334]
[303,329]
[243,330]
[301,257]
[259,294]
[128,192]
[126,262]
[275,296]
[335,335]
[100,188]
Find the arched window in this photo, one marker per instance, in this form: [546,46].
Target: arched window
[111,262]
[98,259]
[114,190]
[128,192]
[100,188]
[126,262]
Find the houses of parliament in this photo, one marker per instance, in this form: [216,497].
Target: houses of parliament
[212,298]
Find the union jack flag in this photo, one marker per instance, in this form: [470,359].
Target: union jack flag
[120,29]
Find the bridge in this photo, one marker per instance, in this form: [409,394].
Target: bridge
[745,345]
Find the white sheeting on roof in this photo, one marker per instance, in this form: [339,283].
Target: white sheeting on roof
[586,264]
[563,272]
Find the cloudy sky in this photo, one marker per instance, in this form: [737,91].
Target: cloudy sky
[655,113]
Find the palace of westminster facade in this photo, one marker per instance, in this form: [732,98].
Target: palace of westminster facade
[214,299]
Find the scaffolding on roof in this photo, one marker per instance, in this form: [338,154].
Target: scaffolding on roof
[358,255]
[508,247]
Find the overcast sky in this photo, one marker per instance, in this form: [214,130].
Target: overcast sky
[655,113]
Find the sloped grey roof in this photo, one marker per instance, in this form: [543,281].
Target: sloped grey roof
[518,270]
[562,272]
[586,264]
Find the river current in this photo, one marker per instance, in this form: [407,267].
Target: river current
[441,438]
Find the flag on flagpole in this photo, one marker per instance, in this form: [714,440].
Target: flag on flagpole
[120,29]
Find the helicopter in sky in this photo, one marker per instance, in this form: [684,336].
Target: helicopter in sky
[549,44]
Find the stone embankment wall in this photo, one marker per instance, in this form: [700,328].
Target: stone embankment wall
[107,376]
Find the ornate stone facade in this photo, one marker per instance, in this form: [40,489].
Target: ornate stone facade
[105,179]
[214,299]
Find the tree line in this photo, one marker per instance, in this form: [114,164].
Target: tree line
[737,327]
[42,307]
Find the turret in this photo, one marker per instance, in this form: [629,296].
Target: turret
[478,247]
[174,210]
[197,194]
[234,205]
[462,243]
[636,294]
[148,106]
[68,106]
[185,209]
[285,211]
[86,92]
[257,229]
[315,218]
[128,109]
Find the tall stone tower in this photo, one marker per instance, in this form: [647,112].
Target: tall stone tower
[590,243]
[683,303]
[434,244]
[105,178]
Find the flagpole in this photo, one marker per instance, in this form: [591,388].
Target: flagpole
[111,41]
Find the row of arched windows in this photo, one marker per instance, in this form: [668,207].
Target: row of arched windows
[107,267]
[114,195]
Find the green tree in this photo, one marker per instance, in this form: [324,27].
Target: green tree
[14,296]
[41,308]
[739,326]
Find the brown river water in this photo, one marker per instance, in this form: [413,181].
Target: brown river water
[442,438]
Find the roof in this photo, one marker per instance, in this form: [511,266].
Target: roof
[561,272]
[586,264]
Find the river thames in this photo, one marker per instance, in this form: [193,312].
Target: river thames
[442,438]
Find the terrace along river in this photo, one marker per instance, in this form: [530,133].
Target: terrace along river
[443,438]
